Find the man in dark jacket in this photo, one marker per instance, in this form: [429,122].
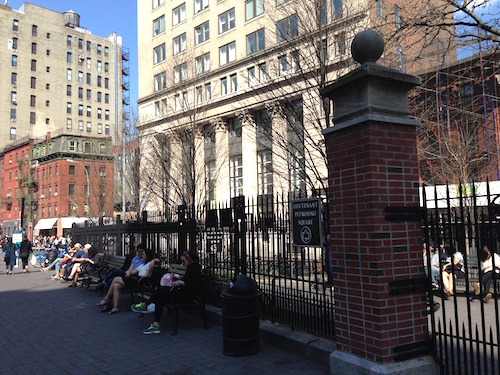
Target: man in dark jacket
[25,251]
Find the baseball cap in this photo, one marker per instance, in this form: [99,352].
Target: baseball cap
[78,244]
[88,246]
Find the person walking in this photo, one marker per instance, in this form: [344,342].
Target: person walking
[10,255]
[25,251]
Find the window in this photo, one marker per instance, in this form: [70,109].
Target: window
[14,43]
[202,63]
[179,14]
[106,98]
[80,43]
[201,33]
[159,53]
[99,48]
[159,25]
[68,90]
[397,17]
[14,60]
[12,134]
[13,78]
[71,187]
[80,125]
[323,13]
[106,129]
[33,65]
[99,128]
[223,86]
[208,91]
[69,57]
[89,45]
[106,51]
[226,21]
[68,40]
[199,94]
[89,94]
[80,93]
[33,82]
[34,30]
[89,78]
[89,126]
[13,97]
[102,171]
[99,97]
[99,113]
[233,78]
[106,83]
[99,81]
[227,53]
[80,109]
[236,175]
[15,25]
[234,128]
[340,44]
[80,76]
[89,111]
[295,57]
[68,74]
[106,67]
[177,101]
[253,8]
[180,73]
[337,9]
[99,65]
[32,101]
[32,118]
[72,148]
[69,123]
[287,28]
[200,5]
[255,41]
[89,62]
[265,172]
[282,65]
[157,109]
[33,48]
[48,35]
[379,9]
[252,81]
[179,43]
[13,114]
[157,3]
[106,115]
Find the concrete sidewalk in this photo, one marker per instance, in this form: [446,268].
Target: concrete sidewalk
[48,328]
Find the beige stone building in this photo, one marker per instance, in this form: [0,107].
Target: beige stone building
[57,75]
[229,98]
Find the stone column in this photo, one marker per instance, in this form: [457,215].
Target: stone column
[372,166]
[249,153]
[221,159]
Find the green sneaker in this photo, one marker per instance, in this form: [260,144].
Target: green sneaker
[151,329]
[138,308]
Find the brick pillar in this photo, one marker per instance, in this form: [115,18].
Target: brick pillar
[373,165]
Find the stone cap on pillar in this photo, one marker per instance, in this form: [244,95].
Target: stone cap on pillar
[371,92]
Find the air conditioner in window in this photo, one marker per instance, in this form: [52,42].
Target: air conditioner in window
[14,103]
[13,119]
[80,57]
[42,196]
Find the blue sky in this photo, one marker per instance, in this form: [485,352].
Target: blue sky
[102,17]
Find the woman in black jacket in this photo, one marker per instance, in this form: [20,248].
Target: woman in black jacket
[25,251]
[179,291]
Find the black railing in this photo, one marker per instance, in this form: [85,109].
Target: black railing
[465,331]
[243,236]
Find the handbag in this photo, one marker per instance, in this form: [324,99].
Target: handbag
[6,259]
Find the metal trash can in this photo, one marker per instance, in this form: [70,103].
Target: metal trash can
[240,317]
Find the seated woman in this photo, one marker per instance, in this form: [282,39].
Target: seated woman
[91,257]
[434,263]
[453,265]
[130,279]
[488,260]
[181,291]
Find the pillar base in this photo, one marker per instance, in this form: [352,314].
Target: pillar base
[342,363]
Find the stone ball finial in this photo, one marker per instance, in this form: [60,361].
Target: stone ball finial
[367,46]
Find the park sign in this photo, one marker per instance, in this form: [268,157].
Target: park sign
[306,222]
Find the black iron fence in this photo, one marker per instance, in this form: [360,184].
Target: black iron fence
[459,222]
[245,236]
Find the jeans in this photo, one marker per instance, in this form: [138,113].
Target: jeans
[55,263]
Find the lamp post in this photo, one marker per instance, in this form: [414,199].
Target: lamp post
[88,183]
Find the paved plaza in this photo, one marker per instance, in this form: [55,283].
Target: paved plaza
[48,328]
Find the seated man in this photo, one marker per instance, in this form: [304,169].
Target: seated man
[90,256]
[59,262]
[77,258]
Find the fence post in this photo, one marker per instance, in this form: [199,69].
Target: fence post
[372,166]
[181,220]
[239,225]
